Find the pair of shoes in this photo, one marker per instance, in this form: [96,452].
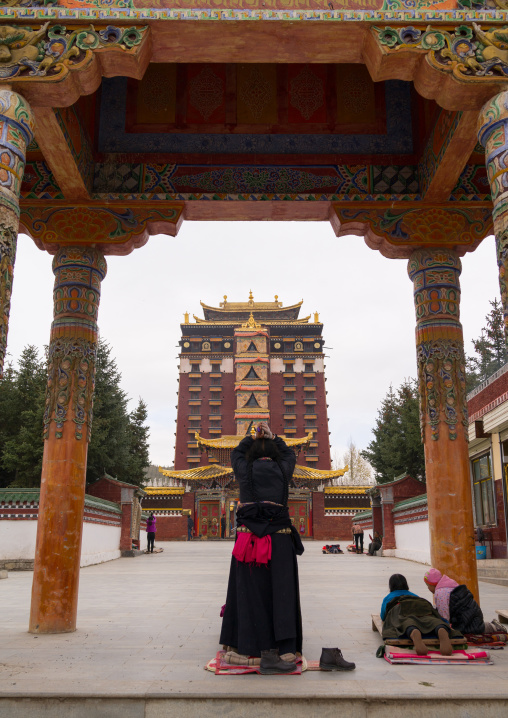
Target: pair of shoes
[333,660]
[272,663]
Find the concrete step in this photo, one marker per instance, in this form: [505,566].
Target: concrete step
[498,581]
[493,572]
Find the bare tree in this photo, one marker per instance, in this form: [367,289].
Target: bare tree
[360,472]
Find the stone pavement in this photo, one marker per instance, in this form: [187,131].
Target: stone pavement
[147,626]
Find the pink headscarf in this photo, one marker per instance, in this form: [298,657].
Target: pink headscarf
[433,577]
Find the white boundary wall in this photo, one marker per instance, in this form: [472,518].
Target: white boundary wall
[100,542]
[412,541]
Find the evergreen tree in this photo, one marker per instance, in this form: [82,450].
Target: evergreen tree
[139,452]
[22,449]
[490,348]
[109,448]
[397,446]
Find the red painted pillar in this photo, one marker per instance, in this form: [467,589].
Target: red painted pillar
[443,412]
[388,525]
[67,425]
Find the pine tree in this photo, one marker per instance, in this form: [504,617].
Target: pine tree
[139,451]
[21,453]
[109,449]
[397,446]
[490,348]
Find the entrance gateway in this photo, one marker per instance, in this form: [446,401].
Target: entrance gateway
[121,122]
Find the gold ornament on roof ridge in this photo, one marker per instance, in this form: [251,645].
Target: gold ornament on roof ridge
[251,323]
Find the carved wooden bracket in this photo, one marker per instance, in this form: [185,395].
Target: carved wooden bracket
[53,65]
[115,229]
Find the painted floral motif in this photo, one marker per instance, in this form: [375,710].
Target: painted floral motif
[256,91]
[440,345]
[206,92]
[252,180]
[73,347]
[307,92]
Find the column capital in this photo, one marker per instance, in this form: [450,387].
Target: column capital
[439,340]
[72,355]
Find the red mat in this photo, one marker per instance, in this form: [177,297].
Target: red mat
[219,666]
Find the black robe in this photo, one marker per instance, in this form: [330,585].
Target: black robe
[263,602]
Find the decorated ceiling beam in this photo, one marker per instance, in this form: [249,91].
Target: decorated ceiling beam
[67,150]
[53,65]
[448,149]
[116,229]
[397,231]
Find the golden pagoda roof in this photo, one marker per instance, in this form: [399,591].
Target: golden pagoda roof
[265,322]
[199,473]
[305,472]
[231,441]
[215,471]
[251,306]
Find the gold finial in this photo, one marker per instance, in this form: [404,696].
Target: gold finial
[276,297]
[316,317]
[250,296]
[186,317]
[225,299]
[251,323]
[253,431]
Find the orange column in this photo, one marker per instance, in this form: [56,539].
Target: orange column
[493,135]
[443,412]
[67,424]
[16,133]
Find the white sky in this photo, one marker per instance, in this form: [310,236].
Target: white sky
[364,300]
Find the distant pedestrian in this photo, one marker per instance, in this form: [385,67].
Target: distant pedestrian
[223,527]
[150,531]
[358,537]
[190,527]
[375,543]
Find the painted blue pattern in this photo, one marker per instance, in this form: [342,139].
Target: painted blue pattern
[113,137]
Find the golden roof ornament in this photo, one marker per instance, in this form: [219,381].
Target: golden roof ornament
[186,317]
[316,317]
[250,295]
[251,323]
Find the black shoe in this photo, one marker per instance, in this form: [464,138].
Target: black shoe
[272,663]
[333,660]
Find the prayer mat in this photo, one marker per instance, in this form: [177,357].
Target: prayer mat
[472,656]
[219,666]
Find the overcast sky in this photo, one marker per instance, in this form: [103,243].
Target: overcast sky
[365,302]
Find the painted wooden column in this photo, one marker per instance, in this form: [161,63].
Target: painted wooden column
[493,135]
[79,272]
[16,133]
[443,412]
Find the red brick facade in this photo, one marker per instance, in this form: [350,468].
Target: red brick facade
[490,394]
[210,415]
[174,528]
[329,528]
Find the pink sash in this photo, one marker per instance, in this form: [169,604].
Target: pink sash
[251,549]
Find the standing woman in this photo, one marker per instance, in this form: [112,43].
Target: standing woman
[150,531]
[262,615]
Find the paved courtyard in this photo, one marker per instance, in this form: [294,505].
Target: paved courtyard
[147,626]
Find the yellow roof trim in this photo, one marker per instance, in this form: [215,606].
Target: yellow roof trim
[347,489]
[202,473]
[230,441]
[163,489]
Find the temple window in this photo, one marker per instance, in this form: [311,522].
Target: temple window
[484,503]
[195,368]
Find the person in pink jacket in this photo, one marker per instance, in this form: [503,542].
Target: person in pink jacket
[150,530]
